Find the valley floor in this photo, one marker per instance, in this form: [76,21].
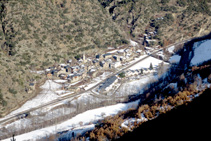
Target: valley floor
[52,90]
[80,123]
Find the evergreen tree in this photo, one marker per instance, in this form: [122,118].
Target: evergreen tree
[13,138]
[142,71]
[151,67]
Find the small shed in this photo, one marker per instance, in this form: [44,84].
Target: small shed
[107,55]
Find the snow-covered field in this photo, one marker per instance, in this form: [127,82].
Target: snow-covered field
[47,94]
[202,52]
[146,63]
[134,87]
[85,121]
[78,122]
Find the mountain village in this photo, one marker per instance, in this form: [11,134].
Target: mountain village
[78,71]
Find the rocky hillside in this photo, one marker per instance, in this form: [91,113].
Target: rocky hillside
[35,34]
[173,20]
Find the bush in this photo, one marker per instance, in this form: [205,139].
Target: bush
[12,91]
[2,101]
[181,3]
[164,1]
[77,57]
[122,75]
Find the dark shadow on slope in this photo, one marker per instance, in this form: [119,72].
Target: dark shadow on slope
[188,47]
[173,73]
[190,121]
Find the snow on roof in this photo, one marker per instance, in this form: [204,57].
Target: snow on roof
[149,48]
[48,70]
[92,70]
[113,51]
[133,43]
[63,65]
[127,50]
[121,51]
[138,51]
[71,74]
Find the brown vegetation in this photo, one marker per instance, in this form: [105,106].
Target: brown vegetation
[111,128]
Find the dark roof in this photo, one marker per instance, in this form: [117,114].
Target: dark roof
[108,82]
[31,84]
[107,54]
[98,56]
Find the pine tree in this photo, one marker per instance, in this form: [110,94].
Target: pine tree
[142,71]
[13,138]
[151,67]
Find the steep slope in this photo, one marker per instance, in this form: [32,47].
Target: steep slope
[184,122]
[173,20]
[35,34]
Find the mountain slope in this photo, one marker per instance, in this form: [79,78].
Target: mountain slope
[184,122]
[35,34]
[173,20]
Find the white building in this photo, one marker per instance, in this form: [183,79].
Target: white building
[116,64]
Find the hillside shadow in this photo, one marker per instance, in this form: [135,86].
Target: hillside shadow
[190,121]
[173,71]
[188,47]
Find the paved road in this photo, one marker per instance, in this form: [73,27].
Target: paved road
[56,101]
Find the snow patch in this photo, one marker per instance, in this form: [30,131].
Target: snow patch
[202,52]
[60,81]
[133,43]
[175,59]
[146,63]
[46,95]
[77,122]
[49,84]
[171,49]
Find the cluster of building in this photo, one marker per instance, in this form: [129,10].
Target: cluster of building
[74,71]
[144,71]
[112,81]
